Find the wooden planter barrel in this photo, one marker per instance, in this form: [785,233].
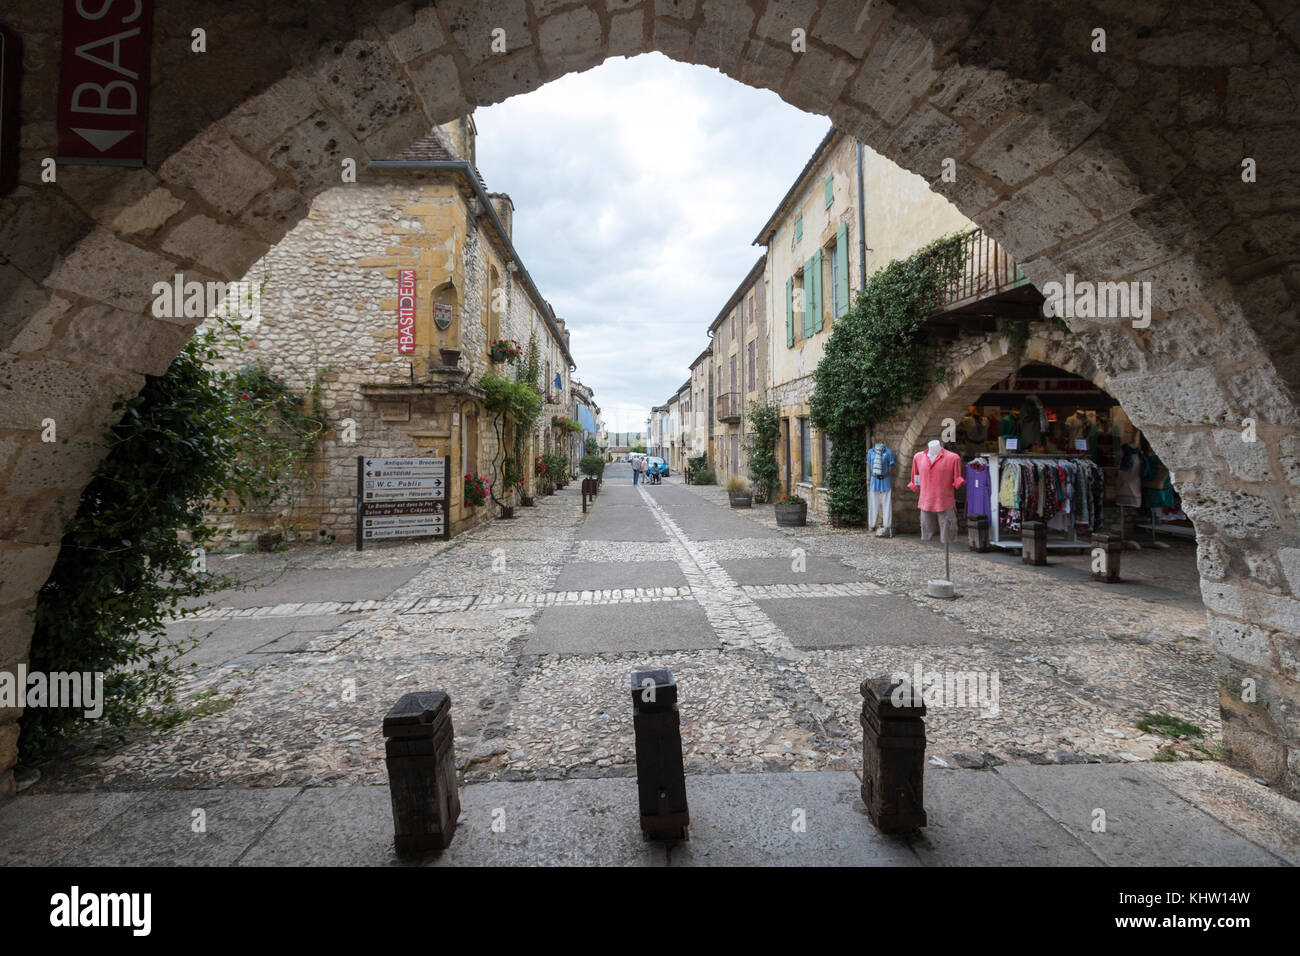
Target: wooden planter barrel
[791,516]
[741,501]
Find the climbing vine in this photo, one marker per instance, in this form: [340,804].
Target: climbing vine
[764,433]
[876,361]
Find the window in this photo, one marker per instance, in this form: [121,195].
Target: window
[752,383]
[798,228]
[830,192]
[812,296]
[805,451]
[841,282]
[835,283]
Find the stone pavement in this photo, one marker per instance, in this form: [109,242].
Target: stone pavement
[1157,814]
[532,626]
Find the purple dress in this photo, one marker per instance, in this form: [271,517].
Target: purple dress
[977,491]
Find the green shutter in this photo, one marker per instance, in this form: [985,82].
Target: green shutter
[830,192]
[809,298]
[789,313]
[817,291]
[842,267]
[798,228]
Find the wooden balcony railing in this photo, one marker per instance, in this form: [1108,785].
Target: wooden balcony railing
[730,407]
[986,270]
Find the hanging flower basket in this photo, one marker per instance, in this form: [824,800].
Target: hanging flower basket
[505,350]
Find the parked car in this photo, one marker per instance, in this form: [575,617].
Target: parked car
[657,467]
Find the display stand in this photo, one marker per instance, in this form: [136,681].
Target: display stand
[1071,540]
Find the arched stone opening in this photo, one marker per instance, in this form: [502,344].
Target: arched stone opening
[1123,166]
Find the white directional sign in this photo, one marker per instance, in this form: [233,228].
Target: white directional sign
[401,498]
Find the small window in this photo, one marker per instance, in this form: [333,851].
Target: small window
[798,228]
[830,192]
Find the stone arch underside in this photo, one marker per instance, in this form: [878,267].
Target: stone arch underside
[1115,166]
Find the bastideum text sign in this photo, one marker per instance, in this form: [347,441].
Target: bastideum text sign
[401,498]
[103,107]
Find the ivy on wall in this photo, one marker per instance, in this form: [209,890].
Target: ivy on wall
[760,446]
[877,361]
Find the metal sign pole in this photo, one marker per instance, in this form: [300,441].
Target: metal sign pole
[360,479]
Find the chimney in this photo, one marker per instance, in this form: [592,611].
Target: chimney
[505,208]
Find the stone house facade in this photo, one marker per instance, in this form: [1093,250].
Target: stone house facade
[329,317]
[740,367]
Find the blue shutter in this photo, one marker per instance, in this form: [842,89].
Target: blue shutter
[842,267]
[815,296]
[798,228]
[809,294]
[789,313]
[830,192]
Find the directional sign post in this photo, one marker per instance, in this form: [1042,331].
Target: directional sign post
[402,498]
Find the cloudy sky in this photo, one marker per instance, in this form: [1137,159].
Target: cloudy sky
[638,189]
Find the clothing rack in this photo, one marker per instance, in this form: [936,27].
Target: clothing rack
[1071,539]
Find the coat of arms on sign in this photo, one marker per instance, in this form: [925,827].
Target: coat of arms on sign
[441,316]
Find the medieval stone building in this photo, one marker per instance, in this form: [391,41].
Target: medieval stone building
[397,377]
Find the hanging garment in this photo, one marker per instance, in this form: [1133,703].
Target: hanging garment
[936,480]
[1158,489]
[1128,481]
[880,466]
[978,488]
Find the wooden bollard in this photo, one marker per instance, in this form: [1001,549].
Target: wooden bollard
[1106,549]
[977,528]
[660,773]
[1033,538]
[893,755]
[421,760]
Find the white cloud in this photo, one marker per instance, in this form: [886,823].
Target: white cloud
[638,188]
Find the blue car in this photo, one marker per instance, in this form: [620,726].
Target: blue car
[657,467]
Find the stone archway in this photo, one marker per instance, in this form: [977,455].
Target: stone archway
[1123,165]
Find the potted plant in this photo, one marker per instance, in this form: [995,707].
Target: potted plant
[791,511]
[738,492]
[505,350]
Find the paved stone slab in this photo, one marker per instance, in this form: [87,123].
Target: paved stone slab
[608,522]
[586,576]
[330,826]
[976,818]
[1257,813]
[232,638]
[817,570]
[860,621]
[553,823]
[1146,824]
[310,585]
[747,819]
[157,830]
[37,829]
[622,629]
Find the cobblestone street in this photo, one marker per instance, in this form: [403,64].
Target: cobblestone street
[533,625]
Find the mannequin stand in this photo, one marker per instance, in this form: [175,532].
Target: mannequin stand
[942,588]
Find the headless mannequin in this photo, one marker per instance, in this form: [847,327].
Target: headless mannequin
[933,450]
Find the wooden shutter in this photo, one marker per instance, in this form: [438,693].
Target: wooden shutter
[809,298]
[815,263]
[789,313]
[830,192]
[842,266]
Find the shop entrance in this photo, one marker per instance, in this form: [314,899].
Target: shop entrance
[1059,449]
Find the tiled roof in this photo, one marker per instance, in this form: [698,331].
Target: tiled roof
[434,148]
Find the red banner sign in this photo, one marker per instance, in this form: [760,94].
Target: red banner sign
[406,311]
[104,81]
